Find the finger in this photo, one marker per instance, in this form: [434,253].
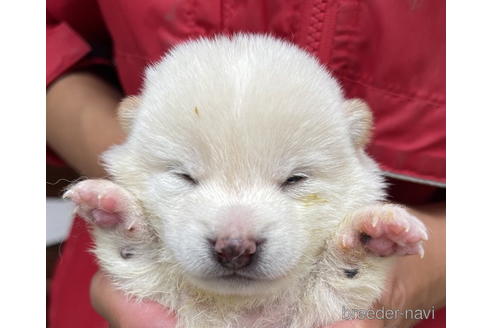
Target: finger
[121,311]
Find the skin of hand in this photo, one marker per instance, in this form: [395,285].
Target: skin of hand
[82,123]
[121,311]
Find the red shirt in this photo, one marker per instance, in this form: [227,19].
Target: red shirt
[389,53]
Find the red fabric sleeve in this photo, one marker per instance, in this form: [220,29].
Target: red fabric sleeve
[64,48]
[75,32]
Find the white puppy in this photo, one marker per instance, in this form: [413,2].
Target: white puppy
[243,196]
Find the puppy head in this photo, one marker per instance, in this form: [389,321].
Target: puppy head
[245,155]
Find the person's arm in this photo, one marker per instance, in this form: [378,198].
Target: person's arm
[81,120]
[415,283]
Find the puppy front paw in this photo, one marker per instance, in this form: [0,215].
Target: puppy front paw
[384,230]
[104,203]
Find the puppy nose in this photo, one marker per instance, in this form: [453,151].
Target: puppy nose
[235,253]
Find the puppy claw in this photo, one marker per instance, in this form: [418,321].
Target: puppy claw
[425,235]
[347,241]
[67,194]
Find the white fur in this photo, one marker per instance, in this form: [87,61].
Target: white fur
[241,115]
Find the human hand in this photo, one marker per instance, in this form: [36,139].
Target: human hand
[123,312]
[415,284]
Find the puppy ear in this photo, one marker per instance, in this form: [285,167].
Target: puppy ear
[360,121]
[126,112]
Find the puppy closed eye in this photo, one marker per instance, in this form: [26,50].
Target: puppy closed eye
[293,180]
[186,177]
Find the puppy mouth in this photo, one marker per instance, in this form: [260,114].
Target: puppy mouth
[236,277]
[238,282]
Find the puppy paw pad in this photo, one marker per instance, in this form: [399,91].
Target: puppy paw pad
[386,230]
[101,202]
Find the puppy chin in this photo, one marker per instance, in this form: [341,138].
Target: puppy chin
[235,284]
